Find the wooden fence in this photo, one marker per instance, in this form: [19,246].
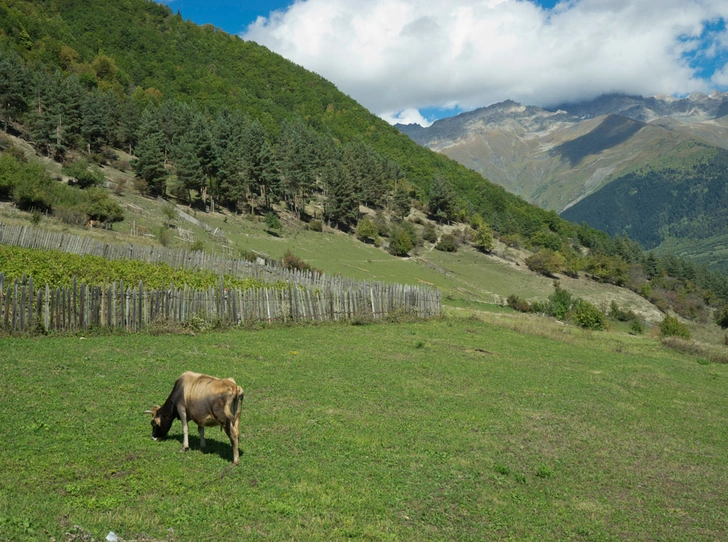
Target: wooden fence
[25,308]
[33,237]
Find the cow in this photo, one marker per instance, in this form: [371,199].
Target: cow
[207,401]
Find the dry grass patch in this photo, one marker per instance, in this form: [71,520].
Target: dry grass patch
[709,352]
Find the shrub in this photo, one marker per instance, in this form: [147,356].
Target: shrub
[291,261]
[516,303]
[447,243]
[141,186]
[400,243]
[164,236]
[483,240]
[82,175]
[170,212]
[101,207]
[637,327]
[315,225]
[722,319]
[367,231]
[620,315]
[70,215]
[545,262]
[546,239]
[610,269]
[429,234]
[560,302]
[272,222]
[671,327]
[587,316]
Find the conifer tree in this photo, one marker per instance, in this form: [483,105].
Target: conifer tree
[342,203]
[14,80]
[442,198]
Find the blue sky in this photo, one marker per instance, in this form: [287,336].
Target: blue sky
[419,60]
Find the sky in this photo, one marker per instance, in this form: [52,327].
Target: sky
[420,60]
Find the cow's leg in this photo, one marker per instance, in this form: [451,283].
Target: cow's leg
[185,430]
[232,428]
[201,430]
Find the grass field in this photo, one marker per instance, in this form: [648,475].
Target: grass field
[474,427]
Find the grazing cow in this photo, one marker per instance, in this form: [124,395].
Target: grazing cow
[207,401]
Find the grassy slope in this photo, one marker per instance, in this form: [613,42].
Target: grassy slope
[453,429]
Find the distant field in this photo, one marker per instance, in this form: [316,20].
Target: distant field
[474,427]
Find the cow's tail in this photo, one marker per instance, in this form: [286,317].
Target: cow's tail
[233,408]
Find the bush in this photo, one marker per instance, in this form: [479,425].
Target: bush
[429,234]
[400,243]
[272,222]
[483,240]
[722,319]
[70,215]
[101,207]
[587,316]
[518,304]
[315,225]
[637,327]
[560,302]
[610,269]
[447,243]
[164,236]
[671,327]
[620,315]
[546,239]
[291,261]
[367,231]
[545,262]
[82,176]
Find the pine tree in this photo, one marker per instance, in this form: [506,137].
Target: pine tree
[442,199]
[13,82]
[95,120]
[149,163]
[401,201]
[342,203]
[188,167]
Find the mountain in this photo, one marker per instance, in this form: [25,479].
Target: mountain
[681,195]
[652,168]
[555,157]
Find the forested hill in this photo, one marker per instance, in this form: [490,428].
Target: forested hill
[682,195]
[210,120]
[140,52]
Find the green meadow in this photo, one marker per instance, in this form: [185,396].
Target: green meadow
[476,426]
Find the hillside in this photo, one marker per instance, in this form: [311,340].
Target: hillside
[680,196]
[107,124]
[569,156]
[465,277]
[136,55]
[555,157]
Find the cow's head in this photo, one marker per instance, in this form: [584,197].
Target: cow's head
[160,424]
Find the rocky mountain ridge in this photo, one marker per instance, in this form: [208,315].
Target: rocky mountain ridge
[557,156]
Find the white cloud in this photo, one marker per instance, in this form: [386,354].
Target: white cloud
[406,116]
[398,56]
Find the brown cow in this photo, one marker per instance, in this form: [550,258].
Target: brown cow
[207,401]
